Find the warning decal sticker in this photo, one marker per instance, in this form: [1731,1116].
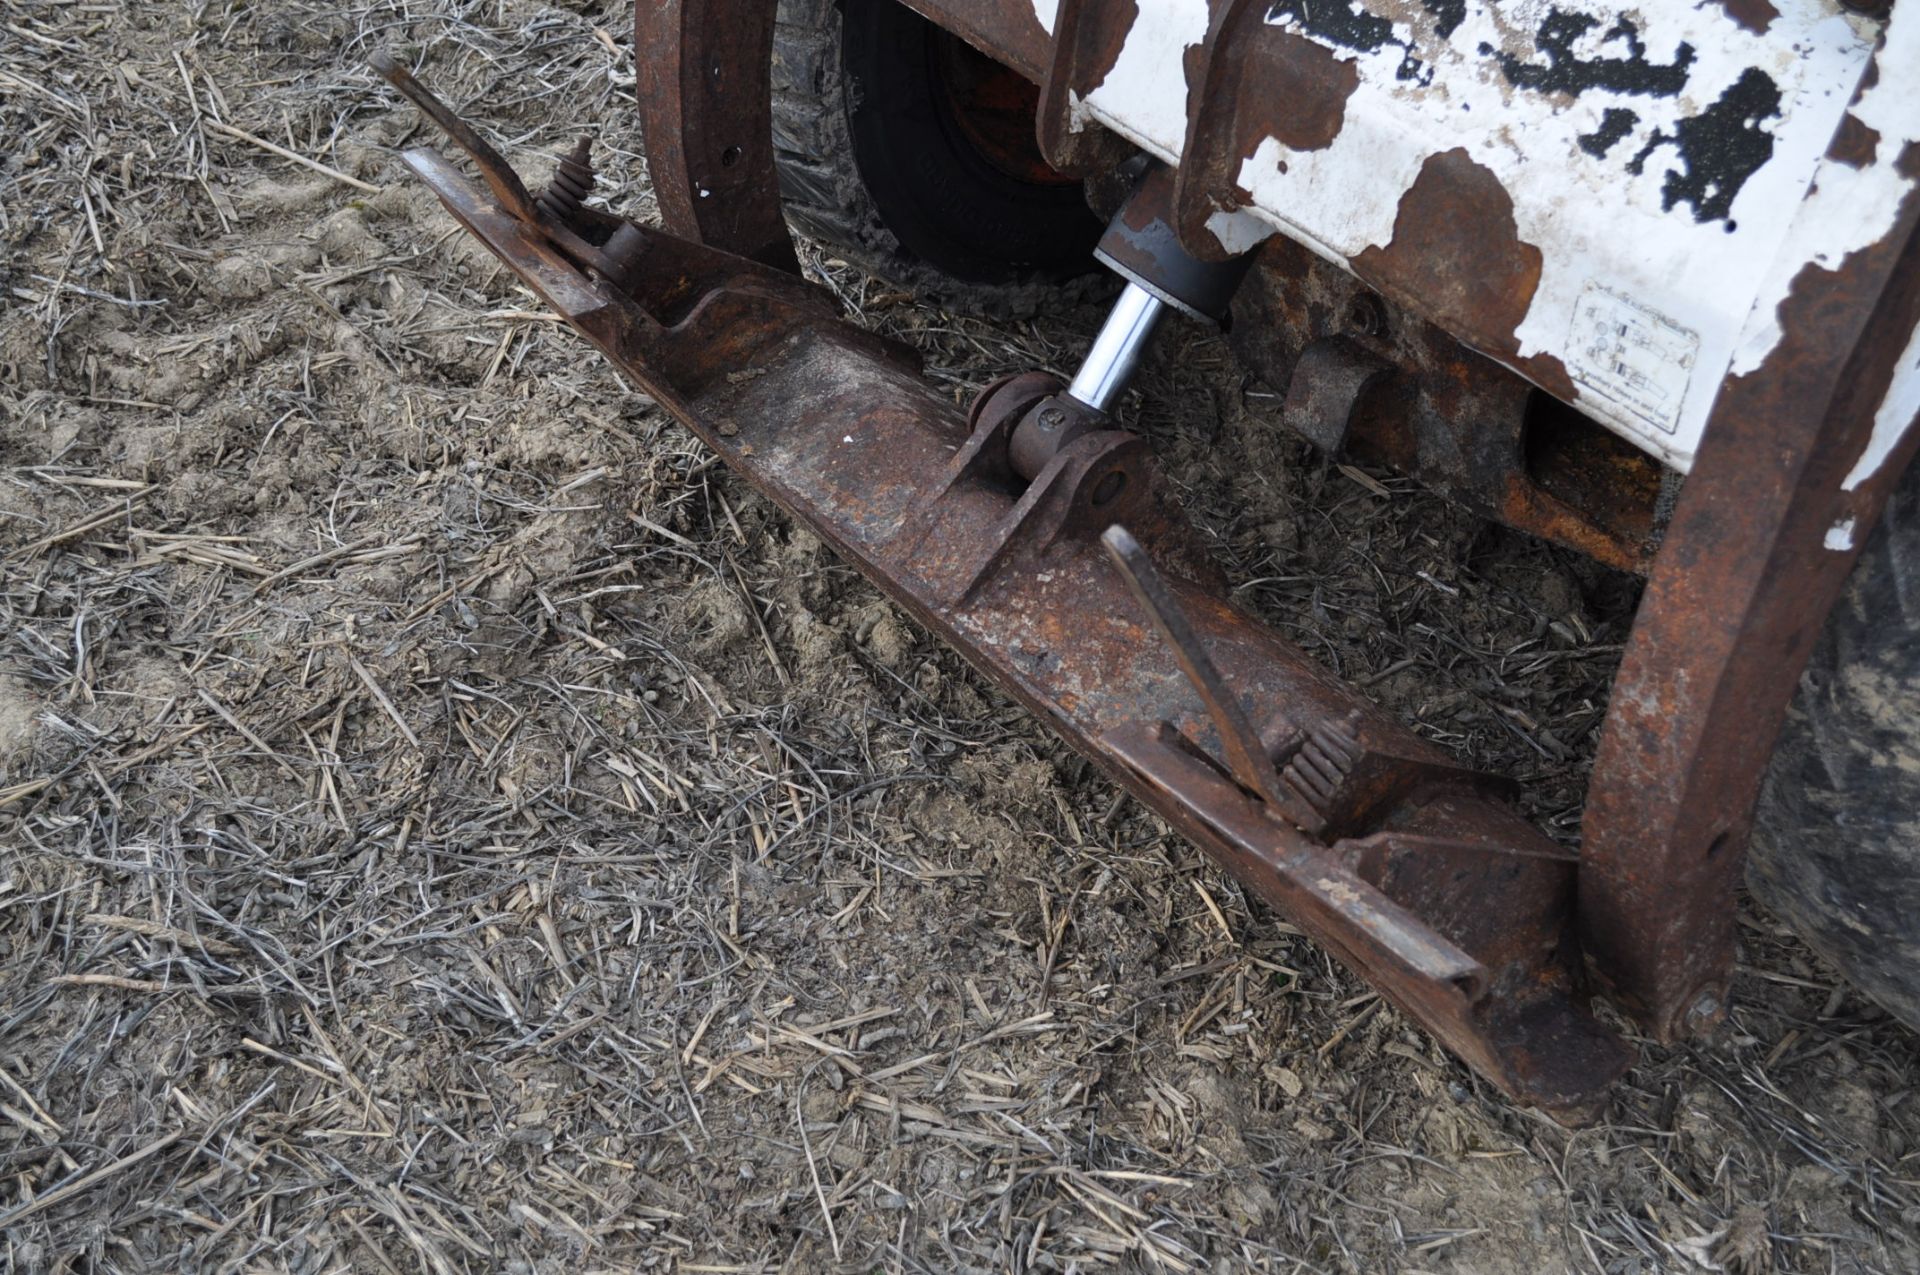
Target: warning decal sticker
[1631,356]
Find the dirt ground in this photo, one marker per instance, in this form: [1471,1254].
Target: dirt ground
[448,824]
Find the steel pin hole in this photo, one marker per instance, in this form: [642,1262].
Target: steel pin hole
[1111,484]
[729,157]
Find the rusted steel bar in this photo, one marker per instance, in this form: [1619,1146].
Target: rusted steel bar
[1767,530]
[1086,42]
[499,175]
[1222,117]
[706,118]
[1246,757]
[1009,31]
[1418,872]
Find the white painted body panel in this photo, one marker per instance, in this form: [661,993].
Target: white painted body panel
[1654,287]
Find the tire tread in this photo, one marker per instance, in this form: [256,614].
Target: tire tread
[1836,848]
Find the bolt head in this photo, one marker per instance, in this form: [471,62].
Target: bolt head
[1052,417]
[1367,316]
[1705,1013]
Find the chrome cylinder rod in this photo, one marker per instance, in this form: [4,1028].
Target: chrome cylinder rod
[1117,350]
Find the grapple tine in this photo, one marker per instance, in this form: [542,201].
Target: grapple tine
[1246,757]
[498,173]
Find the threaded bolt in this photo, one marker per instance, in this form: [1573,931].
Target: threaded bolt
[572,183]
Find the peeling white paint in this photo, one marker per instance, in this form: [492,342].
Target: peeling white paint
[1848,207]
[1236,232]
[1593,221]
[1596,224]
[1337,204]
[1840,536]
[1148,83]
[1078,116]
[1893,418]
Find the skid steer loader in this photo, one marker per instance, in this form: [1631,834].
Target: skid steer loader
[1642,281]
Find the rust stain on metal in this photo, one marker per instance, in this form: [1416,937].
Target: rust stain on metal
[1306,102]
[706,120]
[1754,15]
[1088,39]
[1854,142]
[988,528]
[1457,255]
[1732,610]
[1103,27]
[1219,79]
[1908,165]
[1310,104]
[1008,30]
[1383,386]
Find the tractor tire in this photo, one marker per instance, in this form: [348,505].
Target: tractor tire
[1836,846]
[913,157]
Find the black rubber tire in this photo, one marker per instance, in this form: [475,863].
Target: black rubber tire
[872,163]
[1836,849]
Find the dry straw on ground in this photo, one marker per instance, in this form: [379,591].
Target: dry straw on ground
[447,824]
